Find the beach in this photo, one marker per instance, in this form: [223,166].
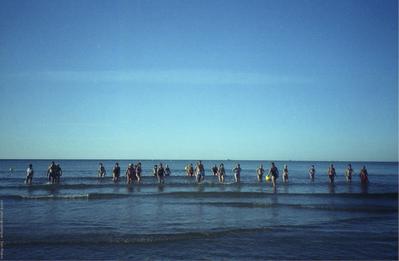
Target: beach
[137,90]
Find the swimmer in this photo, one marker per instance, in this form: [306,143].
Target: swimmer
[285,173]
[331,173]
[197,173]
[130,173]
[200,172]
[190,170]
[58,173]
[167,170]
[273,172]
[29,174]
[259,172]
[101,170]
[215,170]
[237,173]
[186,168]
[116,172]
[364,177]
[155,170]
[160,174]
[138,172]
[52,172]
[312,172]
[349,173]
[221,173]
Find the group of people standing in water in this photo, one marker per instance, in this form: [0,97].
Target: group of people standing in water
[273,173]
[161,172]
[54,173]
[221,172]
[349,172]
[133,173]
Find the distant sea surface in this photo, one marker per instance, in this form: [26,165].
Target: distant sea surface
[87,218]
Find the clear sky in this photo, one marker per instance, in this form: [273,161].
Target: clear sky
[195,79]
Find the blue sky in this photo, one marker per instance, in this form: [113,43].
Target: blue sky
[290,80]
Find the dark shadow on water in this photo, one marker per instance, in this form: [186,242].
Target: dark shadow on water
[331,188]
[269,187]
[364,188]
[116,188]
[350,188]
[275,210]
[53,189]
[238,187]
[285,187]
[30,190]
[200,187]
[274,189]
[129,187]
[261,187]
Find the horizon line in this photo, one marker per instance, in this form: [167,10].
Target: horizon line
[261,160]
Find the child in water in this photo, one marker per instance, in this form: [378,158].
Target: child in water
[285,173]
[312,172]
[221,173]
[259,172]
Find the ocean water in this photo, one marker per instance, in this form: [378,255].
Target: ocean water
[87,218]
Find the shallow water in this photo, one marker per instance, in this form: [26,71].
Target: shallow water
[87,218]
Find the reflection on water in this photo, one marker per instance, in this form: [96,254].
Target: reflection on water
[261,187]
[200,187]
[53,189]
[350,188]
[116,188]
[285,187]
[275,210]
[161,187]
[364,188]
[129,188]
[237,187]
[331,188]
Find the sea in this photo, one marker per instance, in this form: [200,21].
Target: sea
[87,218]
